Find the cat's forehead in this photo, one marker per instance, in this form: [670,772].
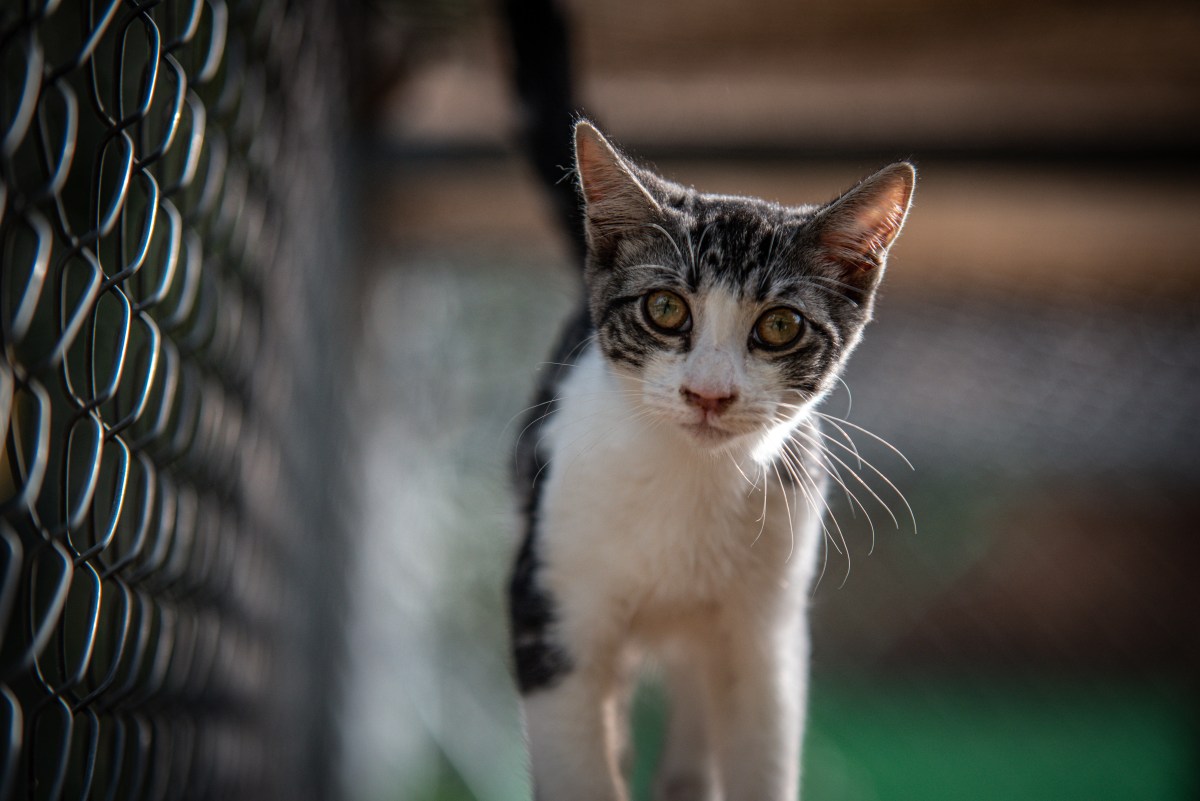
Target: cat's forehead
[733,241]
[731,212]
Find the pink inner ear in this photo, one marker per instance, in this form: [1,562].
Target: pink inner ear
[604,179]
[873,229]
[595,168]
[860,234]
[614,196]
[601,178]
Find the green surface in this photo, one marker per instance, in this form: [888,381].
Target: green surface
[982,740]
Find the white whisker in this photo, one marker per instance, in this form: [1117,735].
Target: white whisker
[791,524]
[836,475]
[816,429]
[589,339]
[849,440]
[834,419]
[824,565]
[799,474]
[742,473]
[849,395]
[821,509]
[874,469]
[700,245]
[670,239]
[867,486]
[763,516]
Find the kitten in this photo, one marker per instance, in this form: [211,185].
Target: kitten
[672,480]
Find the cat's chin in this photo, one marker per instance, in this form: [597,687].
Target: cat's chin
[709,436]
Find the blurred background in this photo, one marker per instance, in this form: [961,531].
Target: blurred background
[1036,356]
[277,278]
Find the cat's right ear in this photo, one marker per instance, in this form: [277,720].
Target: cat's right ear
[614,197]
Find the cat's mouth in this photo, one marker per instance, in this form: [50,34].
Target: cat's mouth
[708,433]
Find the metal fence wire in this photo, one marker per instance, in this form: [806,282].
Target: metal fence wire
[169,555]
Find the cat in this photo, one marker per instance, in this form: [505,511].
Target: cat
[672,479]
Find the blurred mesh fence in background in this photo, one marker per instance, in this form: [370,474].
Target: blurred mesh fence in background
[170,557]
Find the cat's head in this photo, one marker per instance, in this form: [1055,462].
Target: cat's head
[727,317]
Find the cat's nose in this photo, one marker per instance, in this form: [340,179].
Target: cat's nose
[710,401]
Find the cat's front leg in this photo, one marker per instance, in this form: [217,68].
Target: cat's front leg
[575,723]
[686,771]
[574,732]
[760,690]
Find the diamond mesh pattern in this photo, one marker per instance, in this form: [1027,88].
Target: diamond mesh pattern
[166,170]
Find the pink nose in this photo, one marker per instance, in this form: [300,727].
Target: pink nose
[715,402]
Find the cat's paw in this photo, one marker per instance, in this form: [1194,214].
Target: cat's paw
[683,787]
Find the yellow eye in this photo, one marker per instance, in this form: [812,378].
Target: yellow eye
[778,328]
[667,311]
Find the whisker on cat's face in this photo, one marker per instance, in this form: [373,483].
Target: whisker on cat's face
[852,449]
[790,519]
[835,421]
[829,452]
[733,460]
[799,469]
[790,456]
[793,226]
[656,227]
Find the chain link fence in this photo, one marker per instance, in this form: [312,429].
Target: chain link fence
[170,555]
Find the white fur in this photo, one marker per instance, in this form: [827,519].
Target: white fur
[665,534]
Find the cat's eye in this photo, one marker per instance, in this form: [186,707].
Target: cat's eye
[778,328]
[667,311]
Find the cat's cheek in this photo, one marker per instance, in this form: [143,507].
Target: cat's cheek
[654,384]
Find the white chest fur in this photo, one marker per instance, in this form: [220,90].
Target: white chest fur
[633,509]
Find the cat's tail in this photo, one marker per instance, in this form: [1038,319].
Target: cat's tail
[541,49]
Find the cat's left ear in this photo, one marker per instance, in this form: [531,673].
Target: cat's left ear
[856,230]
